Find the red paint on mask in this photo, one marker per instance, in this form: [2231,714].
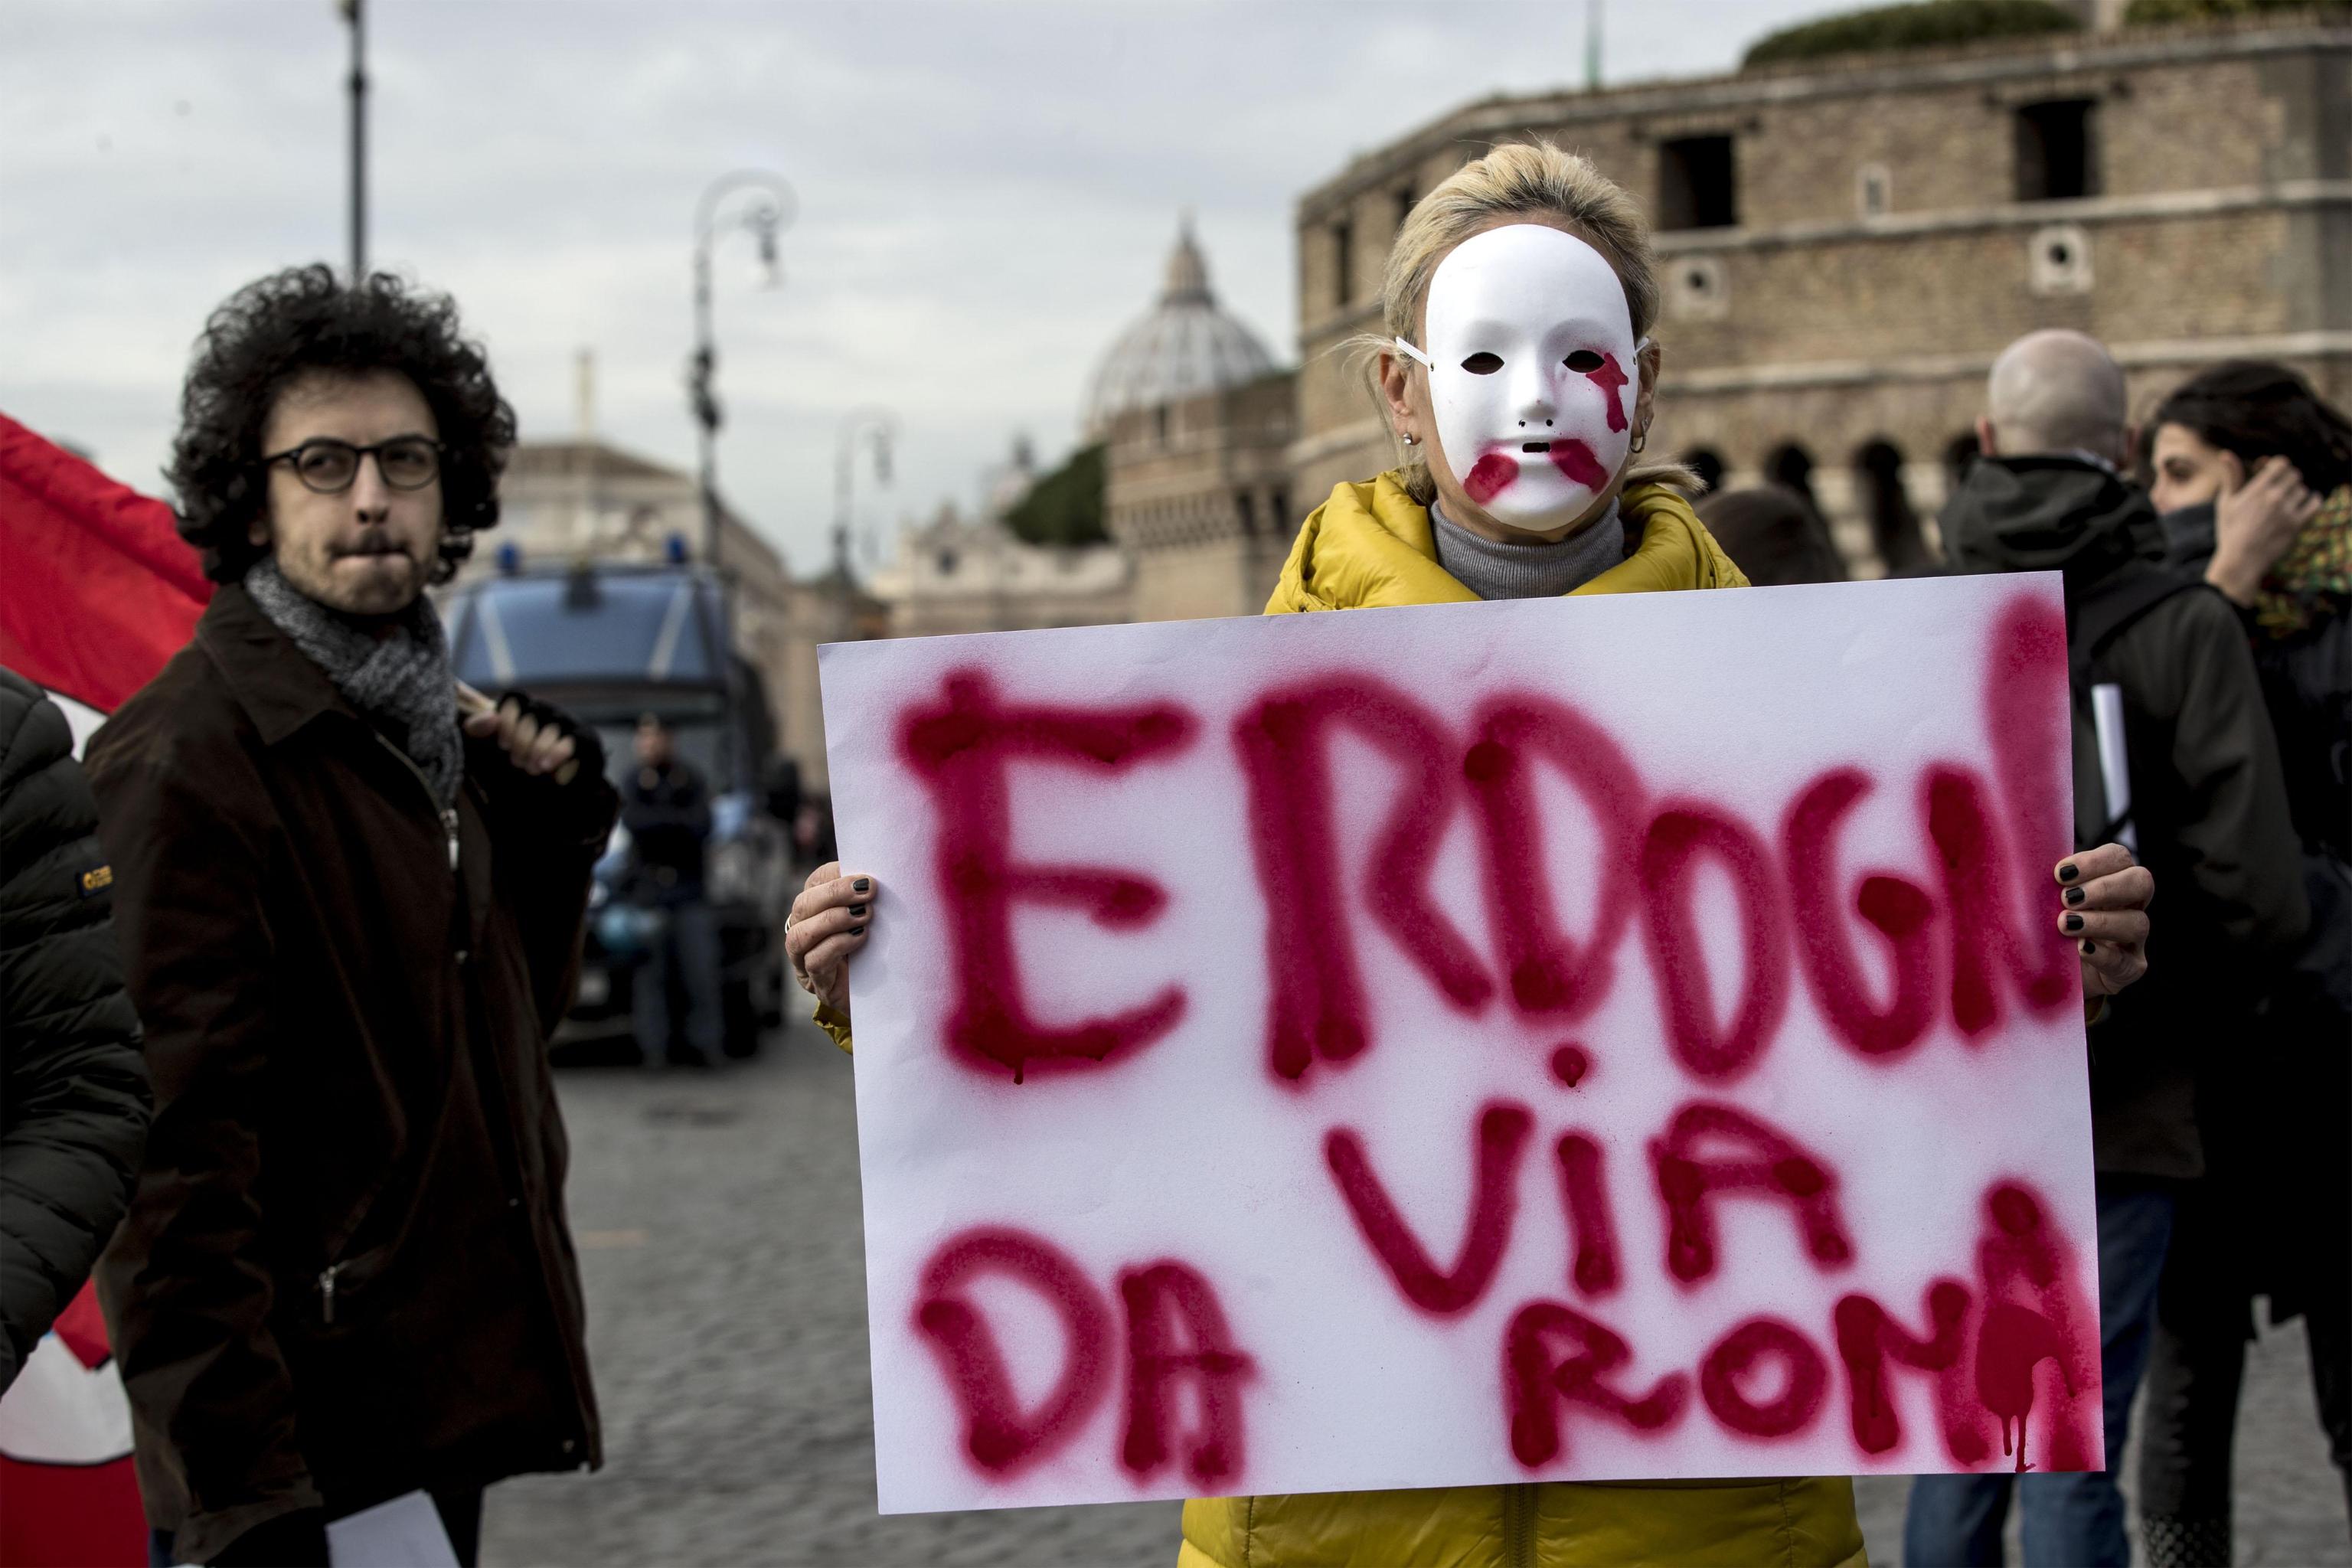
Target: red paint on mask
[1584,1199]
[1000,1438]
[1537,1380]
[1176,1332]
[1489,475]
[1502,1137]
[1769,1164]
[1570,1064]
[1573,459]
[1680,833]
[1317,1008]
[963,748]
[1611,379]
[1804,1379]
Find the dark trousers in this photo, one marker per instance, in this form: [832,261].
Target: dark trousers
[2071,1520]
[2190,1436]
[684,957]
[461,1515]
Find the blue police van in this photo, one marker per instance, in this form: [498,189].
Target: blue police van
[609,643]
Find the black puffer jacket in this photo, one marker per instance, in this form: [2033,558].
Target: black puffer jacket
[2208,800]
[74,1106]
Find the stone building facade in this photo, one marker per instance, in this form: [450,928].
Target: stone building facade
[1846,245]
[1198,422]
[959,575]
[1199,493]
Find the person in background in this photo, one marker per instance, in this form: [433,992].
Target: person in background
[2210,810]
[667,809]
[1562,251]
[1775,535]
[2252,473]
[350,920]
[74,1103]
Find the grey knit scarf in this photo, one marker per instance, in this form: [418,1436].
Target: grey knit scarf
[1532,571]
[401,682]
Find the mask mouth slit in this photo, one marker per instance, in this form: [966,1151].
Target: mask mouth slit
[1536,446]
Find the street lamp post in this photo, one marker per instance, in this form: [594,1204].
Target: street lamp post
[763,217]
[878,428]
[354,11]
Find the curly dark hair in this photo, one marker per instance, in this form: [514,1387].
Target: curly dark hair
[277,328]
[2254,410]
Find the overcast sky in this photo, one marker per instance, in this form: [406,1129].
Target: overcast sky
[987,193]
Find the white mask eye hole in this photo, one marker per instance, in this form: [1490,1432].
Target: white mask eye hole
[1483,364]
[1584,362]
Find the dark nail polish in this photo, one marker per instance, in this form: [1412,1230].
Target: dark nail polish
[2073,922]
[857,909]
[860,930]
[863,885]
[2076,895]
[2069,871]
[2089,948]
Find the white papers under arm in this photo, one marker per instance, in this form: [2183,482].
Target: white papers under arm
[2114,768]
[405,1532]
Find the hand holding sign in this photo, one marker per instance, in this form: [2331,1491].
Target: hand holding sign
[825,929]
[2106,898]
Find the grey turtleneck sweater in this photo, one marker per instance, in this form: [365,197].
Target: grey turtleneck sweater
[1529,571]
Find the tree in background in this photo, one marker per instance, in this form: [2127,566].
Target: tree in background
[2144,11]
[1917,26]
[1065,507]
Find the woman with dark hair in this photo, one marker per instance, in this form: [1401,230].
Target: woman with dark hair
[2253,475]
[1774,533]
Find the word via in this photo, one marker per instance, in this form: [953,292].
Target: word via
[1173,1330]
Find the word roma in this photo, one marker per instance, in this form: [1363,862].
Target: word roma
[1982,1347]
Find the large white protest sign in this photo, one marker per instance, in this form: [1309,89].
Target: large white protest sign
[1626,1036]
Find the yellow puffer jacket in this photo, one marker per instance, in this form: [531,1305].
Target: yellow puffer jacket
[1371,545]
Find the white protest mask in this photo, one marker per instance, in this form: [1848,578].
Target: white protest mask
[1533,372]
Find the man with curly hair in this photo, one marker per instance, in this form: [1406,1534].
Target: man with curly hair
[350,894]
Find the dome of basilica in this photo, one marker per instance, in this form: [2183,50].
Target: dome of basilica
[1184,347]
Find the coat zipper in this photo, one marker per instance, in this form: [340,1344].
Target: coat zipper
[449,818]
[1518,1525]
[447,814]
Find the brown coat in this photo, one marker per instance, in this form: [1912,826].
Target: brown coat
[346,1272]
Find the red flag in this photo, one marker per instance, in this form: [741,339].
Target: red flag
[96,591]
[97,588]
[68,1495]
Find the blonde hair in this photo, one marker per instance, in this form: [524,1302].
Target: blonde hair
[1532,179]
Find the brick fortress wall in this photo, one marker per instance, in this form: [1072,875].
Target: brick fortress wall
[1889,222]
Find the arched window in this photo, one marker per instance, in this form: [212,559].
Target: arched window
[1894,525]
[1708,464]
[1792,465]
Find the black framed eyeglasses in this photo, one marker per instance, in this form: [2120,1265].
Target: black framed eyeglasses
[329,466]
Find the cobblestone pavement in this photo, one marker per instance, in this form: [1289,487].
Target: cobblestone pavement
[718,1223]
